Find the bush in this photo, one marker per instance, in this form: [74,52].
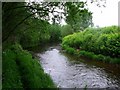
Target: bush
[102,41]
[69,50]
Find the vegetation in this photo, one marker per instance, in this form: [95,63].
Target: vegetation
[32,23]
[105,41]
[66,30]
[11,75]
[28,23]
[78,16]
[21,70]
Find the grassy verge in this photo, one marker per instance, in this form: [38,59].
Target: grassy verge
[91,55]
[10,74]
[20,70]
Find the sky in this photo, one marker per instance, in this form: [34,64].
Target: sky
[102,16]
[105,16]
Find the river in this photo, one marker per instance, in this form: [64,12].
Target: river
[68,71]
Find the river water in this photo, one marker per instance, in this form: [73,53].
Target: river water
[68,71]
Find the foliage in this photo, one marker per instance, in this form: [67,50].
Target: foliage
[105,41]
[66,30]
[36,34]
[10,73]
[21,70]
[78,16]
[91,55]
[22,17]
[27,24]
[55,32]
[12,19]
[69,49]
[27,29]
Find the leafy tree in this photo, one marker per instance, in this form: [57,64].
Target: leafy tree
[66,30]
[12,19]
[55,32]
[17,15]
[78,16]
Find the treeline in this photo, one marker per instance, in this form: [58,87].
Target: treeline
[104,42]
[23,27]
[27,25]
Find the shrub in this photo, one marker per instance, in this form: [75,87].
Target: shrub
[105,41]
[102,41]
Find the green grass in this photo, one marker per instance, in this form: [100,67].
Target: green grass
[10,73]
[91,55]
[32,73]
[20,70]
[99,57]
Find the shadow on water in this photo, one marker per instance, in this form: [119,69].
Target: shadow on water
[43,48]
[69,71]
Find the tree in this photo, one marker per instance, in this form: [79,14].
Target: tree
[12,18]
[66,30]
[55,32]
[17,15]
[78,16]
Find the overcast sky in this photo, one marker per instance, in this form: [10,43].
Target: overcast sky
[105,16]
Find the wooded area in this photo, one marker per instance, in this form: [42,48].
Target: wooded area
[26,25]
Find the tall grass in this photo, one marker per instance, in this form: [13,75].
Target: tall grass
[10,73]
[20,70]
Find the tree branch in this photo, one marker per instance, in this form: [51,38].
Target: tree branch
[4,39]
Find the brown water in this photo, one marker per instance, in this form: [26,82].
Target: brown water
[68,71]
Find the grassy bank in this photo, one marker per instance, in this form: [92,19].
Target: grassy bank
[96,43]
[21,70]
[91,55]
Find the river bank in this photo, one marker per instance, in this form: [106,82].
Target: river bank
[91,55]
[68,71]
[21,70]
[102,44]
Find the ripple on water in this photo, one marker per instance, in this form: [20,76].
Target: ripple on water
[68,73]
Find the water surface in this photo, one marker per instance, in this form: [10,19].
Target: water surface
[68,71]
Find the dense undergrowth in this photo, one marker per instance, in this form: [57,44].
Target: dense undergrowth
[21,70]
[96,43]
